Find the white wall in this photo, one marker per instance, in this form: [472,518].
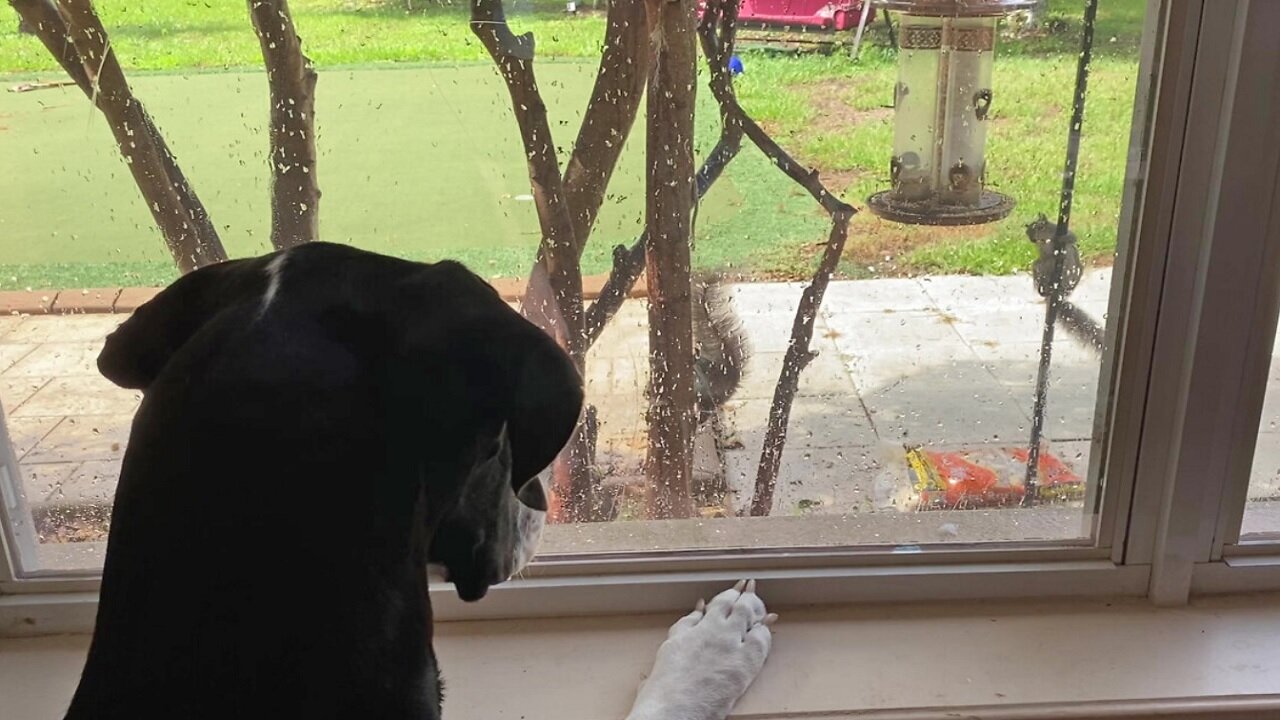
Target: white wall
[1033,660]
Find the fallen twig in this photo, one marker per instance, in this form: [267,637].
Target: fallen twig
[30,86]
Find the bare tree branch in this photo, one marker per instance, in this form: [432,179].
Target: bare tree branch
[605,126]
[514,58]
[607,123]
[669,218]
[73,33]
[797,357]
[295,195]
[629,262]
[610,114]
[554,299]
[42,17]
[718,53]
[716,31]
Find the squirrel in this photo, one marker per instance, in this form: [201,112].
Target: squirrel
[1076,321]
[1041,232]
[720,343]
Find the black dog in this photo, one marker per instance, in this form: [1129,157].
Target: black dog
[316,426]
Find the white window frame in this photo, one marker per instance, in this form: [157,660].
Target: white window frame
[1239,316]
[1176,459]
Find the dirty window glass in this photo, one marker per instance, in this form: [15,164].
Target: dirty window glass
[1261,512]
[915,413]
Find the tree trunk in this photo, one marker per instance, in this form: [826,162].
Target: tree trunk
[295,196]
[73,33]
[629,261]
[669,214]
[717,46]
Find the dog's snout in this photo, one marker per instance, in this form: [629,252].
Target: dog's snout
[473,572]
[475,586]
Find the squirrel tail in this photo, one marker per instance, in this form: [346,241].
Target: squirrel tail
[720,342]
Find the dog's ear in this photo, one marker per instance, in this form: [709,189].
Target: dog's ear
[546,402]
[138,350]
[502,377]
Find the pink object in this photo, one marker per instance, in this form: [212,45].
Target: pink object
[825,14]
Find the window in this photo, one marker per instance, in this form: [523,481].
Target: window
[911,429]
[1260,518]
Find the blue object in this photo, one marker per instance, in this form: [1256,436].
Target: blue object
[735,65]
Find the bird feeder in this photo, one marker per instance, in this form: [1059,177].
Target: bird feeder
[942,103]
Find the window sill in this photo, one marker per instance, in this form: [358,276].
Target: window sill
[42,607]
[999,661]
[1061,526]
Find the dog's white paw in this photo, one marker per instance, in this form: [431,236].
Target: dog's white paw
[709,659]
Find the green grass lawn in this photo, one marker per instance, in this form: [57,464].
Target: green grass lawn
[840,124]
[417,162]
[420,158]
[186,34]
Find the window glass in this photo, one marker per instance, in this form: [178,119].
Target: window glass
[1261,512]
[912,421]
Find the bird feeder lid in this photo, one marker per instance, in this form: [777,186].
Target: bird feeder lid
[956,8]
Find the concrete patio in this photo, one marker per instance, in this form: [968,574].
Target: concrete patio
[942,361]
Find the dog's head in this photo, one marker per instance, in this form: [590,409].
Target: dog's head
[480,400]
[515,397]
[492,531]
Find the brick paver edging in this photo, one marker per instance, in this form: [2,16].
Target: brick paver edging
[126,300]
